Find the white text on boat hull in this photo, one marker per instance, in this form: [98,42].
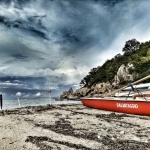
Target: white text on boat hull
[127,105]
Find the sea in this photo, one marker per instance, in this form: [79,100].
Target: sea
[17,103]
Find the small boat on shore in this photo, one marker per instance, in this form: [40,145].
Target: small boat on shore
[137,104]
[131,106]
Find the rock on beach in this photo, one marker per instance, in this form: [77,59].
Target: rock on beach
[71,127]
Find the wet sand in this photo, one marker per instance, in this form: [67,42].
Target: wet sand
[71,127]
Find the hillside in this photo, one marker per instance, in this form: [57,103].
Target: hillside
[132,65]
[134,52]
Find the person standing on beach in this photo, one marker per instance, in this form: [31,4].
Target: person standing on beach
[1,100]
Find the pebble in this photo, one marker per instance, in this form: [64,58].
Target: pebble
[98,136]
[122,132]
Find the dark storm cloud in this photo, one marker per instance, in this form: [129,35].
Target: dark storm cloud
[16,51]
[80,28]
[76,33]
[33,25]
[20,56]
[77,29]
[80,25]
[109,2]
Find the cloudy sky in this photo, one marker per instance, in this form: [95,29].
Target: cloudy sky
[53,44]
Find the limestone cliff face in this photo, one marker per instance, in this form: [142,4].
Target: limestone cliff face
[124,74]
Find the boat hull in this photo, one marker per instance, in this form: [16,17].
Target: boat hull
[123,106]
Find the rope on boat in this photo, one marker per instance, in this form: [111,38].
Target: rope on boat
[140,94]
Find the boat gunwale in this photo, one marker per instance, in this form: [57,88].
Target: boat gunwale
[114,99]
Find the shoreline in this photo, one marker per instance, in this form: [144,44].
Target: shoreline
[12,106]
[70,127]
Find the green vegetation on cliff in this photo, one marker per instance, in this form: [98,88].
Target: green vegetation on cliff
[134,52]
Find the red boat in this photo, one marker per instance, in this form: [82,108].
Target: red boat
[131,106]
[138,104]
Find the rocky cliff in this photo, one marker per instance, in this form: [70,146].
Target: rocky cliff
[125,73]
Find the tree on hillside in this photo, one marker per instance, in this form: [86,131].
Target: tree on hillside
[131,46]
[134,52]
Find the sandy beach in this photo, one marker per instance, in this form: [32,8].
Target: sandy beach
[71,127]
